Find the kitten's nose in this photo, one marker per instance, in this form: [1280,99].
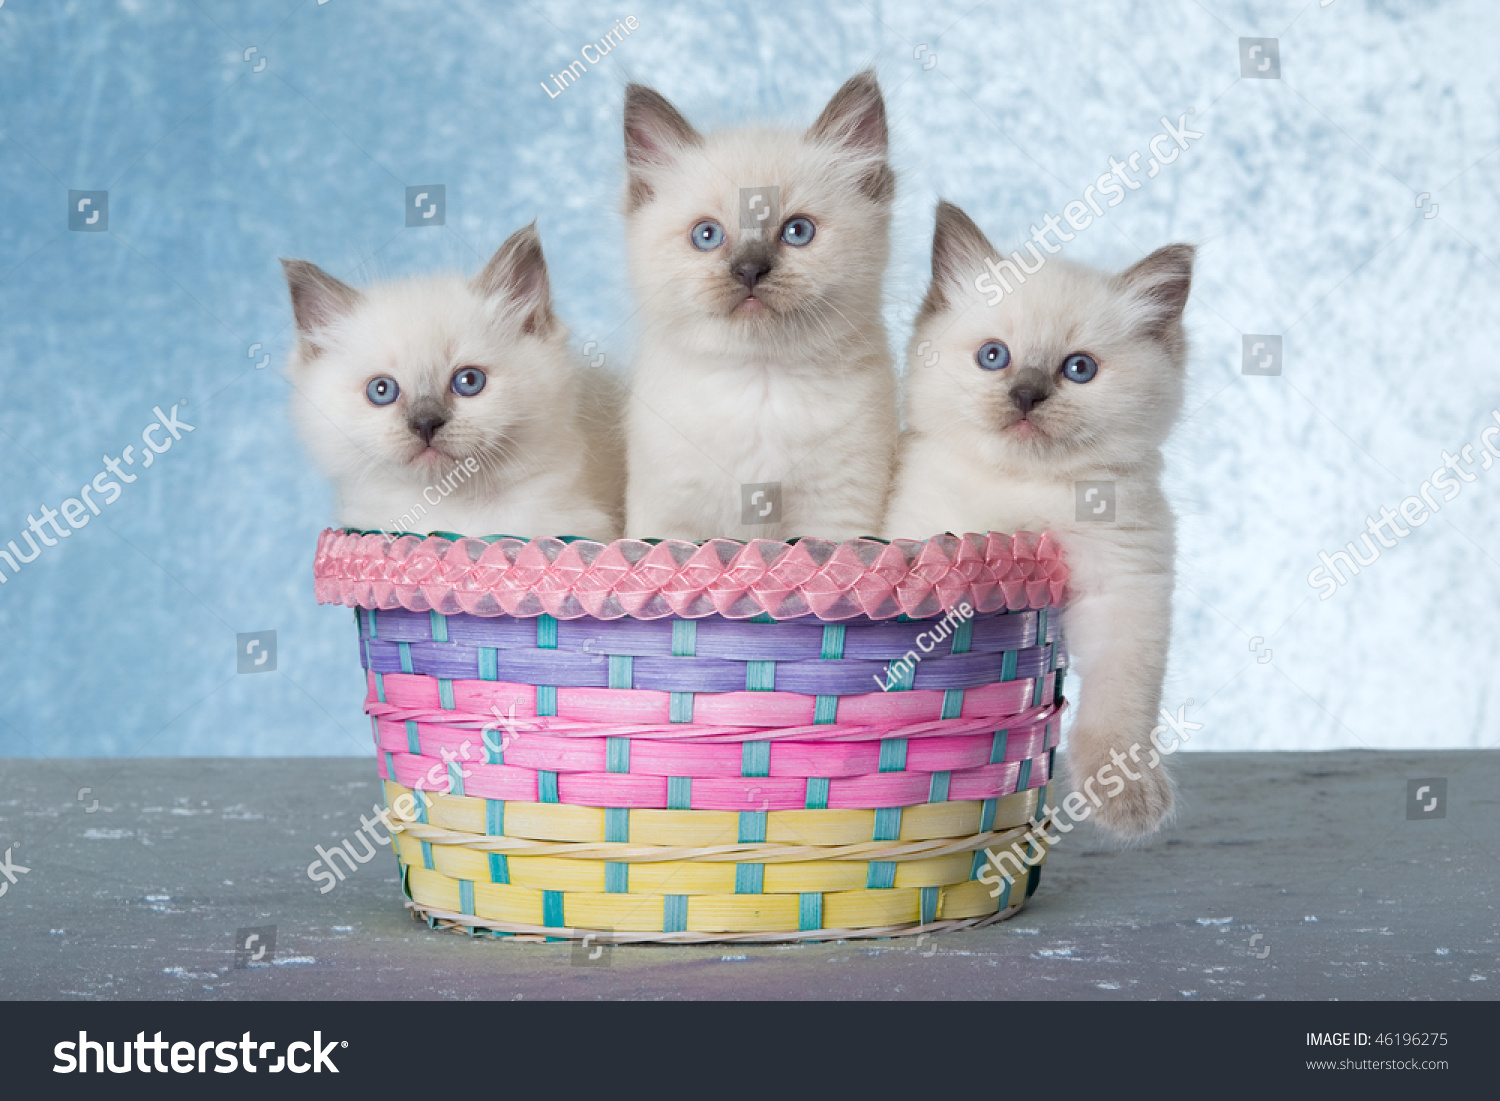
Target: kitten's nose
[1030,389]
[427,425]
[751,272]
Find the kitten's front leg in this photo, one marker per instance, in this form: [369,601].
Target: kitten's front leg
[1117,637]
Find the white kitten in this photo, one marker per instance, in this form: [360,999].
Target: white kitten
[1074,375]
[437,404]
[763,355]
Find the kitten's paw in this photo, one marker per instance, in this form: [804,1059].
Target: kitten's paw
[1130,812]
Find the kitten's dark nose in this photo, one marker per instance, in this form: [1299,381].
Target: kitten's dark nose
[751,272]
[427,425]
[1030,389]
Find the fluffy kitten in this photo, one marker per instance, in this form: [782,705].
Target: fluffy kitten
[437,404]
[1073,376]
[763,356]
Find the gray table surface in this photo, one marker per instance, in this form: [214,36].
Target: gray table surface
[1286,876]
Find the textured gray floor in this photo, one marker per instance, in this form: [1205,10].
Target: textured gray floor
[1286,876]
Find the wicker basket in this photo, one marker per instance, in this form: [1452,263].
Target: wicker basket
[706,742]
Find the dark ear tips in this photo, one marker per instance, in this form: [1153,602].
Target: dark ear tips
[317,297]
[517,276]
[855,120]
[959,250]
[1162,281]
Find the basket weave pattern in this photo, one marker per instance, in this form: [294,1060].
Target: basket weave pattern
[713,778]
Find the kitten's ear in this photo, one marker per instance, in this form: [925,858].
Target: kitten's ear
[317,297]
[515,281]
[655,133]
[959,251]
[1160,285]
[855,121]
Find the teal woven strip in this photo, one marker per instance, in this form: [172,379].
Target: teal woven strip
[755,758]
[552,910]
[937,791]
[494,817]
[616,877]
[499,868]
[489,663]
[953,703]
[929,905]
[809,910]
[380,687]
[1023,778]
[466,896]
[1008,665]
[963,637]
[390,766]
[494,745]
[617,824]
[892,754]
[617,754]
[546,786]
[763,617]
[455,778]
[1057,690]
[681,704]
[833,640]
[679,792]
[749,879]
[427,856]
[753,827]
[1041,803]
[373,632]
[760,676]
[439,632]
[621,671]
[826,709]
[997,746]
[900,675]
[546,632]
[674,913]
[684,638]
[1004,893]
[1041,626]
[977,864]
[887,824]
[404,649]
[445,694]
[413,742]
[1038,688]
[546,699]
[987,816]
[881,876]
[817,793]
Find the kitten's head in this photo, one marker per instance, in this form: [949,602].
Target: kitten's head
[758,236]
[396,384]
[1071,368]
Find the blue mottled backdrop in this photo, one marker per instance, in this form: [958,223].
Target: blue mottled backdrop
[1343,192]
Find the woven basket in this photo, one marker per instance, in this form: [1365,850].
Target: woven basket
[706,742]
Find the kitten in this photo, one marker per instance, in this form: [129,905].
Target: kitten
[1074,375]
[437,404]
[763,356]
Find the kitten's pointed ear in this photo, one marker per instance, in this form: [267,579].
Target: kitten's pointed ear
[655,133]
[515,281]
[959,252]
[1160,285]
[854,120]
[317,297]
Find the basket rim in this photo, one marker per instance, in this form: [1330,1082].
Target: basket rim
[571,578]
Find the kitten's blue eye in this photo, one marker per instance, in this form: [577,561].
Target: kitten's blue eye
[1079,367]
[708,235]
[993,356]
[382,390]
[468,382]
[798,231]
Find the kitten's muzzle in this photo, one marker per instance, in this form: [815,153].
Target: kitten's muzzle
[1030,389]
[751,265]
[425,420]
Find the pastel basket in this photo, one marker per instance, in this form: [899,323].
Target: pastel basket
[706,742]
